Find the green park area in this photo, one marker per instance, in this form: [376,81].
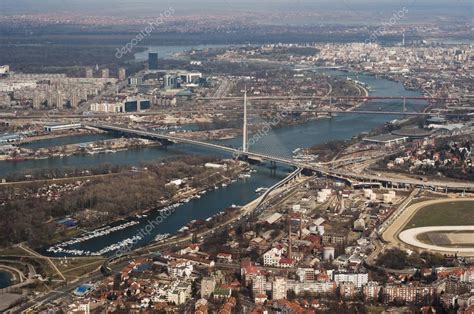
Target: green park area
[458,213]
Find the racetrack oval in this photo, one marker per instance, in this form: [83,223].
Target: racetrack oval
[410,237]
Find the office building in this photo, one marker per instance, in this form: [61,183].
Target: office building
[153,61]
[135,80]
[190,77]
[122,74]
[104,73]
[169,81]
[144,104]
[89,73]
[107,107]
[131,105]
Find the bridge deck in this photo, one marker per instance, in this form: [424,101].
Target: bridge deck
[347,176]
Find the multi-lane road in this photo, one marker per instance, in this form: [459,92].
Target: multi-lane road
[340,174]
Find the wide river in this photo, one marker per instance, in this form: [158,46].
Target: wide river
[279,141]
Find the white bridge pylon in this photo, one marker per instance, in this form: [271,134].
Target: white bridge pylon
[244,133]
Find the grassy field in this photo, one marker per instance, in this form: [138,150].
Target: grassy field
[430,238]
[445,214]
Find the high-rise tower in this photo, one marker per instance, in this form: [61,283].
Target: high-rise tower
[153,61]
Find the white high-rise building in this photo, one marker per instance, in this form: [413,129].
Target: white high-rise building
[122,74]
[359,279]
[259,284]
[104,73]
[279,288]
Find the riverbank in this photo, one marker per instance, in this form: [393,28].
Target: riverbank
[7,277]
[279,141]
[134,218]
[91,148]
[51,135]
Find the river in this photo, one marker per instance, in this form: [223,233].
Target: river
[168,51]
[279,141]
[5,279]
[282,141]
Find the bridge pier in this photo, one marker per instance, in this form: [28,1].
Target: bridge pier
[309,172]
[165,143]
[243,157]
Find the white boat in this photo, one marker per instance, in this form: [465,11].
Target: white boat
[182,229]
[160,237]
[260,190]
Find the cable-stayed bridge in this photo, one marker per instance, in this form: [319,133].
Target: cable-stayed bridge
[350,177]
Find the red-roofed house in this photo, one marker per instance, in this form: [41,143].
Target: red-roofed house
[260,298]
[225,257]
[286,262]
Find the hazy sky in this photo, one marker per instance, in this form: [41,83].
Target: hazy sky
[185,7]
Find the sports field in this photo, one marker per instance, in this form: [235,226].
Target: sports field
[443,225]
[448,238]
[459,213]
[441,239]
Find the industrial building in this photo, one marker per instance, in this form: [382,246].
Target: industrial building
[10,138]
[61,126]
[386,139]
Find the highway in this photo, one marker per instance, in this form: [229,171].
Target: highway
[254,110]
[358,98]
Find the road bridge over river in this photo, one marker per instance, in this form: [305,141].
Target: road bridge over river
[350,177]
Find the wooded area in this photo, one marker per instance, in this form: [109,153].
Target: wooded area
[30,219]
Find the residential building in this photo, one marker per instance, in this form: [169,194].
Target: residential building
[411,293]
[279,288]
[208,285]
[359,279]
[273,256]
[259,284]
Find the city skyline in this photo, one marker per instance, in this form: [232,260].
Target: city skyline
[236,156]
